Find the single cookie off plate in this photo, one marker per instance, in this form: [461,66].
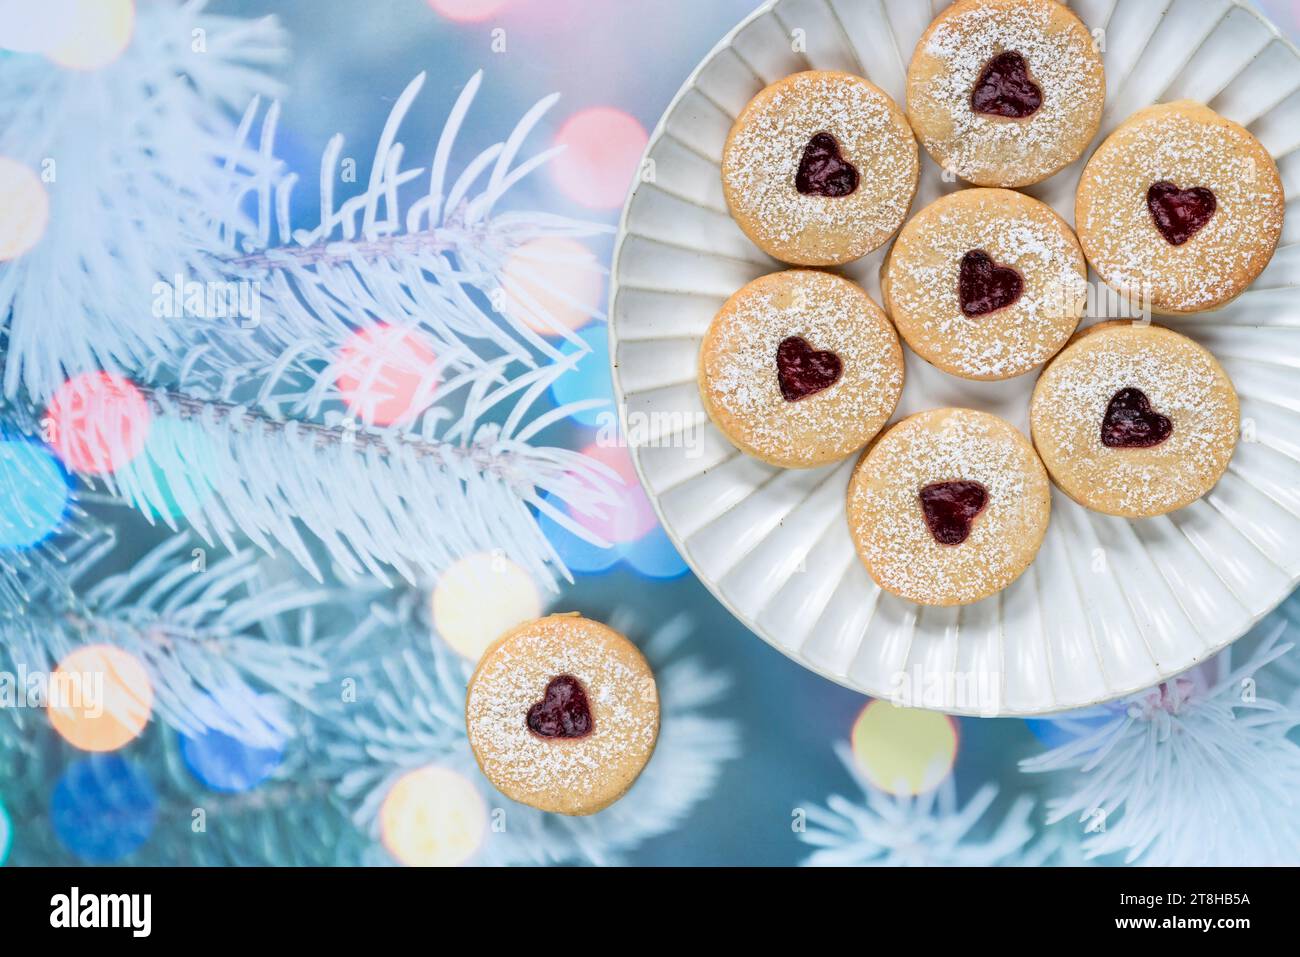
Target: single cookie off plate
[1110,604]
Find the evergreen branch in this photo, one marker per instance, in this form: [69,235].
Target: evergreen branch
[137,162]
[202,631]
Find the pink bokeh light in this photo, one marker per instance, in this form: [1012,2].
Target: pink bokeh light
[602,155]
[97,422]
[387,374]
[468,11]
[635,516]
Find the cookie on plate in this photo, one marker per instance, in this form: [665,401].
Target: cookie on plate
[948,506]
[800,368]
[1180,207]
[1134,420]
[986,283]
[562,714]
[820,168]
[1005,92]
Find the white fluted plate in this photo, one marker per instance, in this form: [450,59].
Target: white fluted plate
[1110,606]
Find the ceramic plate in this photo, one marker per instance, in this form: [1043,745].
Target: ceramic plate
[1111,606]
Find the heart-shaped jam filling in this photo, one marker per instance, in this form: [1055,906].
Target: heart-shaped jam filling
[1180,213]
[823,171]
[563,711]
[802,370]
[1004,88]
[983,286]
[950,508]
[1131,423]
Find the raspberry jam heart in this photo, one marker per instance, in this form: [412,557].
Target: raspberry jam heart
[823,171]
[563,711]
[950,508]
[1131,423]
[802,371]
[1180,213]
[983,286]
[1005,89]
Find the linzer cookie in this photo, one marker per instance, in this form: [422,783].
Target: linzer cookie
[948,507]
[800,368]
[1180,207]
[986,283]
[1134,419]
[1005,92]
[562,714]
[820,168]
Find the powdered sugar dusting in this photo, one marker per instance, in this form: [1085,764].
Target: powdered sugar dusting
[945,445]
[1191,146]
[1017,232]
[993,150]
[513,676]
[768,141]
[738,374]
[1181,380]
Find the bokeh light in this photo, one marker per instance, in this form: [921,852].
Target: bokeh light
[103,808]
[176,471]
[100,698]
[433,817]
[387,374]
[6,834]
[243,742]
[24,208]
[102,31]
[1064,728]
[468,11]
[479,598]
[225,763]
[35,491]
[589,379]
[551,284]
[97,422]
[27,27]
[655,556]
[634,516]
[578,554]
[904,750]
[602,155]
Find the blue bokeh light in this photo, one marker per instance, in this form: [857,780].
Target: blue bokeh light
[6,834]
[103,808]
[225,763]
[243,742]
[579,555]
[655,556]
[589,379]
[35,492]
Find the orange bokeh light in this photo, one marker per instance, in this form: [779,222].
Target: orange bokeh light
[433,817]
[97,422]
[387,374]
[602,155]
[468,11]
[24,208]
[102,31]
[100,698]
[551,284]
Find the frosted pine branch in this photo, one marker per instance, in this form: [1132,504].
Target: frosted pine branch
[431,260]
[1201,770]
[927,830]
[134,159]
[377,500]
[202,632]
